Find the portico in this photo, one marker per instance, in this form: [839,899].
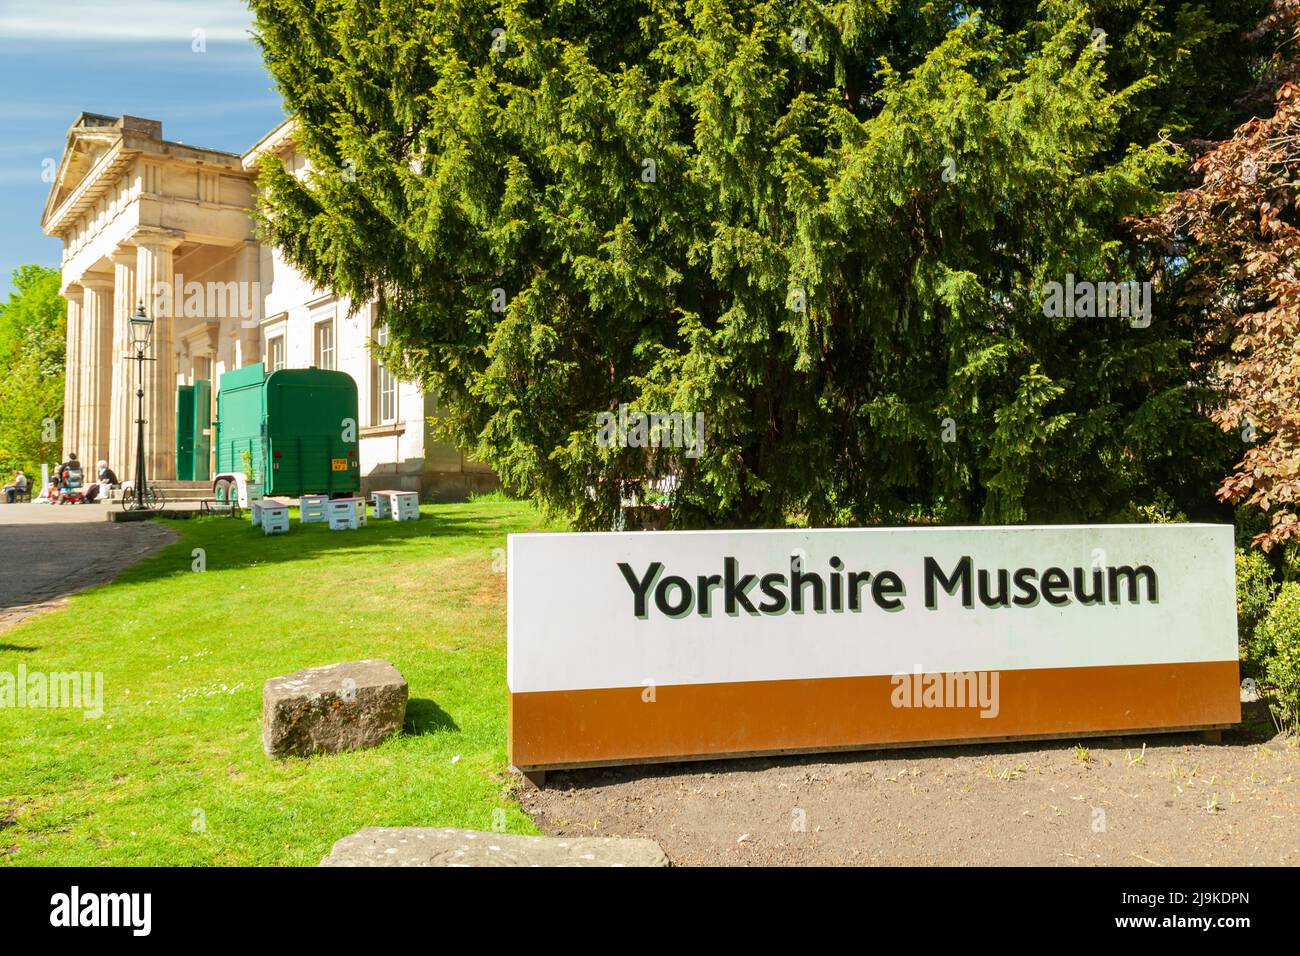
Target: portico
[147,220]
[133,211]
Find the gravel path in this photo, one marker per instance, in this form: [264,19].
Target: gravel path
[51,551]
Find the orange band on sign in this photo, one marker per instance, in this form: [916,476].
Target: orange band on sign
[571,728]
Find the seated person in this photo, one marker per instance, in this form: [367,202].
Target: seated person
[16,487]
[67,488]
[107,479]
[70,473]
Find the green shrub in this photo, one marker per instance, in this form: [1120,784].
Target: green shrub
[1278,636]
[1255,590]
[1161,509]
[1290,561]
[1249,522]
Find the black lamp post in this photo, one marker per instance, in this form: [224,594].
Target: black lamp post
[141,330]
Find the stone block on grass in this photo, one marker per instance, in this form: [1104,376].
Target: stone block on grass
[331,709]
[449,846]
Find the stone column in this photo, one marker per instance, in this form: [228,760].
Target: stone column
[248,272]
[154,279]
[121,441]
[96,369]
[248,330]
[72,372]
[248,347]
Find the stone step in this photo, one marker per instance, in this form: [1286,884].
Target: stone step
[170,484]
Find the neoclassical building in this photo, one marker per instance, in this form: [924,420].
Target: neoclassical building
[144,219]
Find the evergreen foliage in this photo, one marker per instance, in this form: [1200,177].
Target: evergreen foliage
[826,226]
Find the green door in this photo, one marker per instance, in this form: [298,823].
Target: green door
[202,430]
[185,433]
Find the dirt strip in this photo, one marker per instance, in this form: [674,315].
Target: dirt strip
[1167,799]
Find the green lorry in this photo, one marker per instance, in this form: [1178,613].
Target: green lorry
[293,431]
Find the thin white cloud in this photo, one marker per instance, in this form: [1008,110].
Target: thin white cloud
[24,149]
[66,112]
[219,55]
[24,176]
[125,20]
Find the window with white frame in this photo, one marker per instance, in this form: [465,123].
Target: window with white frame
[275,353]
[384,398]
[325,344]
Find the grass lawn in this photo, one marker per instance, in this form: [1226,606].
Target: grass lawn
[173,772]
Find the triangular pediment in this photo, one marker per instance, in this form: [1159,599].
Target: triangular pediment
[89,139]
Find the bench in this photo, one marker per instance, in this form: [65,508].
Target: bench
[211,506]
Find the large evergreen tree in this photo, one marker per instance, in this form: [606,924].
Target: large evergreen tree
[828,227]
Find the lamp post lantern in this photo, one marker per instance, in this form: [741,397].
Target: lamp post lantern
[141,331]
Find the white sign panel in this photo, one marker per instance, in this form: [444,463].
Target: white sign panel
[654,610]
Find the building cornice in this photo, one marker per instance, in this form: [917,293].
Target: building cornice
[107,168]
[126,144]
[276,141]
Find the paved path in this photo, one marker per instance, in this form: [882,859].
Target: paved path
[50,551]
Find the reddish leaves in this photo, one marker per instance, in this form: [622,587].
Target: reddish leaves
[1240,231]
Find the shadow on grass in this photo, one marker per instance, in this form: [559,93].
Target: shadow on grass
[230,544]
[424,717]
[21,648]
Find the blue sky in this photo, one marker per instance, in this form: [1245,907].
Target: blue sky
[60,57]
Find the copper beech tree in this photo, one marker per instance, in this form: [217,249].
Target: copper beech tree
[1233,243]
